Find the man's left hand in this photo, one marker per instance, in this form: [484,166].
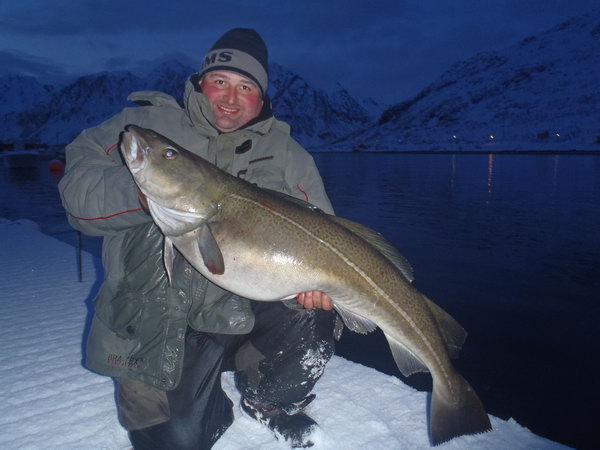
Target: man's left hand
[315,299]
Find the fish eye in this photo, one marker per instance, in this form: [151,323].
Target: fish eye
[169,153]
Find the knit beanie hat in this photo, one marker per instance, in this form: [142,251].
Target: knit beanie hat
[240,50]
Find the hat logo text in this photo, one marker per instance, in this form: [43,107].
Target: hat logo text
[217,57]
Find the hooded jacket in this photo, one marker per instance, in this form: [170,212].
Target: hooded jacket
[140,320]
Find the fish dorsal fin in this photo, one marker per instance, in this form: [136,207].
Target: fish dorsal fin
[384,246]
[294,200]
[354,322]
[453,333]
[199,247]
[406,361]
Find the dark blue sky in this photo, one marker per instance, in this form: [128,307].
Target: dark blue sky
[384,49]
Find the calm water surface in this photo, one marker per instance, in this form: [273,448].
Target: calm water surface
[508,244]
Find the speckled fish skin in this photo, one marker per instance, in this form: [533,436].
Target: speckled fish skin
[273,248]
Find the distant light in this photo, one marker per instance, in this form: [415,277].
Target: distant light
[454,137]
[557,134]
[491,136]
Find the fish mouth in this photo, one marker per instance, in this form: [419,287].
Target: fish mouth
[135,148]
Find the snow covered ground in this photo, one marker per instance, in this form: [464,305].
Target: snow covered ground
[48,400]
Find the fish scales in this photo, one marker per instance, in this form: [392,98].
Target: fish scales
[305,241]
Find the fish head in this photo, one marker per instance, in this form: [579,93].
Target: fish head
[173,179]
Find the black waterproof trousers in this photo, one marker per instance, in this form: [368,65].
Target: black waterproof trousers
[278,362]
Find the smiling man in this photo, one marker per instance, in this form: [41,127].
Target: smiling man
[235,83]
[166,344]
[235,99]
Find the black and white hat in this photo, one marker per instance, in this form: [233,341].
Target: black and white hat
[240,50]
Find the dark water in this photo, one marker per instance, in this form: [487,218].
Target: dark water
[508,244]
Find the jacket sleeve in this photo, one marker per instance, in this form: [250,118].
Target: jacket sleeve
[303,177]
[97,190]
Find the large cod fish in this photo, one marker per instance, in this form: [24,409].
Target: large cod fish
[269,247]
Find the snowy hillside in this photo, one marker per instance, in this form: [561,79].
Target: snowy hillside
[18,93]
[48,400]
[36,113]
[541,93]
[316,117]
[87,101]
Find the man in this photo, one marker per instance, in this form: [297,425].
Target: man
[167,344]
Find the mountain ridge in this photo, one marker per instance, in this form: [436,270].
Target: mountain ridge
[541,93]
[56,115]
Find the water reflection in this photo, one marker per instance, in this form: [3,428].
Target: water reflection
[490,171]
[453,172]
[555,173]
[32,193]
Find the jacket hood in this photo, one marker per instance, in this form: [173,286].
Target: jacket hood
[153,98]
[198,109]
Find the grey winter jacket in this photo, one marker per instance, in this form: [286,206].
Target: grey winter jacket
[140,320]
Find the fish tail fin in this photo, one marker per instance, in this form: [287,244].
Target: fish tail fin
[464,415]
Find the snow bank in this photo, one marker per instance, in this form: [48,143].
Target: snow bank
[49,400]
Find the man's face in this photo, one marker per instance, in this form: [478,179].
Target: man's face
[235,99]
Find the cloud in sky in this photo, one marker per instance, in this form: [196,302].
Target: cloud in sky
[385,49]
[17,62]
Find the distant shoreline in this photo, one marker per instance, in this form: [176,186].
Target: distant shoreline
[54,152]
[468,152]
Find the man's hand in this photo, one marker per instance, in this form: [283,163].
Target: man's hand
[315,299]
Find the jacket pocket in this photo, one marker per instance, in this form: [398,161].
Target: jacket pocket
[121,312]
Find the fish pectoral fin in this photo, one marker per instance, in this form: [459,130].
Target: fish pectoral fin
[406,360]
[453,333]
[211,253]
[199,247]
[168,258]
[354,322]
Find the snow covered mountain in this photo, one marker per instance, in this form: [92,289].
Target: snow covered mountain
[18,93]
[86,102]
[542,93]
[89,100]
[316,117]
[36,113]
[539,94]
